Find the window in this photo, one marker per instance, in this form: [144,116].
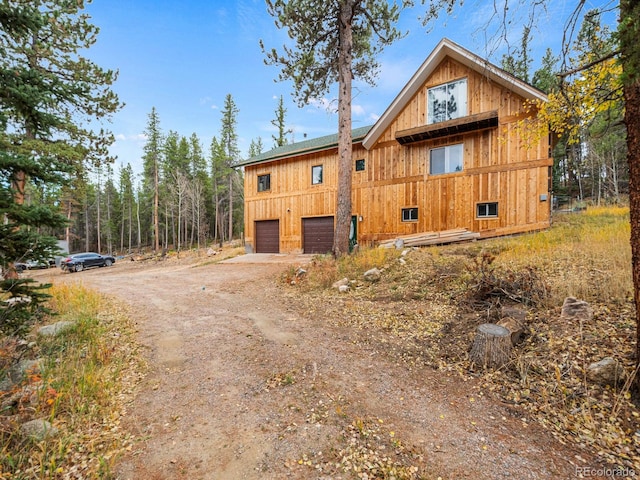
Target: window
[446,159]
[446,102]
[409,214]
[316,175]
[487,210]
[360,165]
[264,182]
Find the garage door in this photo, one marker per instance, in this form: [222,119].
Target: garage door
[317,234]
[268,236]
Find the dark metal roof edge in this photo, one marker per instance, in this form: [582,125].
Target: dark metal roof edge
[308,146]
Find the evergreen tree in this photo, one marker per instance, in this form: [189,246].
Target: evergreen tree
[519,62]
[280,124]
[127,204]
[50,93]
[152,160]
[255,147]
[229,144]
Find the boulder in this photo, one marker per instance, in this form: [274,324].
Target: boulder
[54,329]
[574,309]
[607,371]
[343,288]
[372,275]
[339,283]
[38,430]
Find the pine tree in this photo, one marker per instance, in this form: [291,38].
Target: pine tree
[280,123]
[229,144]
[152,160]
[50,92]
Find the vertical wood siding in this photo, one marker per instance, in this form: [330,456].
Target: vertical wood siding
[499,167]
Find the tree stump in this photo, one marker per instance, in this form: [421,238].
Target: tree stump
[491,347]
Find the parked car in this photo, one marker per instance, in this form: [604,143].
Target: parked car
[33,264]
[80,261]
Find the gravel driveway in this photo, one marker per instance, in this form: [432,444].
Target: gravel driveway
[244,385]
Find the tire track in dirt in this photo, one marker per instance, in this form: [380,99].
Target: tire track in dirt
[241,386]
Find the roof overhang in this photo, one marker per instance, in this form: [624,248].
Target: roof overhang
[470,123]
[447,48]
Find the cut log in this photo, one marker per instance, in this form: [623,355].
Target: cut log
[431,238]
[491,347]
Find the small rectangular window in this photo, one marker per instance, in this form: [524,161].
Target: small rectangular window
[316,174]
[409,214]
[264,182]
[447,159]
[487,210]
[360,165]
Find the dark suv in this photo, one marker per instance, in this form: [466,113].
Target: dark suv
[80,261]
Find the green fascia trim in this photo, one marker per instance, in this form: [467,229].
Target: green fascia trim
[307,146]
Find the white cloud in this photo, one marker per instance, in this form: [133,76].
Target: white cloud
[357,110]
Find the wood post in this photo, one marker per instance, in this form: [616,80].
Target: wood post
[491,347]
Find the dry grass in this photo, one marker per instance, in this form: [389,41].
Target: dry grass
[424,312]
[84,376]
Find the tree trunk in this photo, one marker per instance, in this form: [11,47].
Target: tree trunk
[345,144]
[491,347]
[630,59]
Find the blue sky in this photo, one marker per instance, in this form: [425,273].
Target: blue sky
[184,57]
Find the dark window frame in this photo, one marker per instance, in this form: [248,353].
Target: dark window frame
[360,165]
[261,186]
[487,210]
[410,214]
[313,175]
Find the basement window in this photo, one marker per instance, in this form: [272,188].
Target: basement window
[316,175]
[264,182]
[410,214]
[487,210]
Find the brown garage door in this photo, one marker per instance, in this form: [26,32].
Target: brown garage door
[318,234]
[268,236]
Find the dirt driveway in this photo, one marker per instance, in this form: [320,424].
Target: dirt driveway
[243,386]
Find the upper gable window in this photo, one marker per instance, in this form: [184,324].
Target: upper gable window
[446,102]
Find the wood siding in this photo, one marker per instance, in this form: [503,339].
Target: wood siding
[499,166]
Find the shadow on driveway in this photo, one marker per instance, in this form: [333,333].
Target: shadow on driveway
[283,258]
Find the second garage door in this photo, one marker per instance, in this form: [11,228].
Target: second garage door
[268,236]
[317,234]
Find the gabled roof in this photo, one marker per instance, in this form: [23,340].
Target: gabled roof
[447,48]
[307,146]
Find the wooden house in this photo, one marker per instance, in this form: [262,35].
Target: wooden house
[450,152]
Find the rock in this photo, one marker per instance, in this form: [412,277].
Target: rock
[574,309]
[343,288]
[372,275]
[339,283]
[54,329]
[402,261]
[515,327]
[17,373]
[399,244]
[606,372]
[405,252]
[300,272]
[38,430]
